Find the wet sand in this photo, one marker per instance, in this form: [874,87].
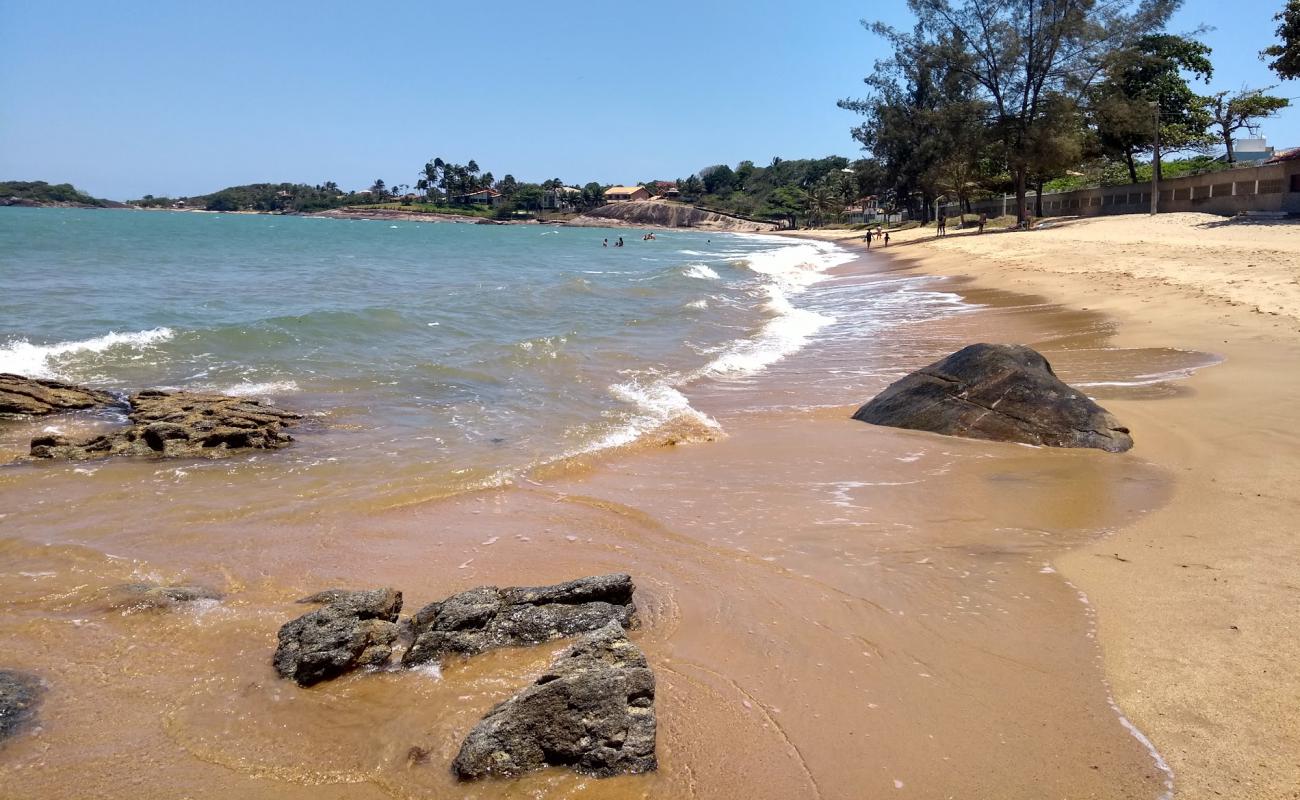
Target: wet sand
[832,609]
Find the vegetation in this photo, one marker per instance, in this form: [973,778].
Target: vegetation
[983,97]
[42,192]
[1286,56]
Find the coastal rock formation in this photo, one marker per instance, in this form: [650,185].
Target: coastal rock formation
[355,629]
[180,424]
[38,397]
[662,214]
[1006,393]
[592,710]
[20,696]
[486,618]
[152,597]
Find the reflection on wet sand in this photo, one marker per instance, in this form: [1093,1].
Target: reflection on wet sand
[832,609]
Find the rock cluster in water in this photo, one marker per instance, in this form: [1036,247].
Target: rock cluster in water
[486,618]
[180,424]
[20,696]
[353,629]
[1006,393]
[37,397]
[592,710]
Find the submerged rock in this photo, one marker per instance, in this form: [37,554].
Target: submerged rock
[151,596]
[1006,393]
[20,696]
[355,629]
[38,397]
[180,424]
[486,618]
[592,710]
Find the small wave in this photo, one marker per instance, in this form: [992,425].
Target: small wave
[41,361]
[701,303]
[788,332]
[701,271]
[661,406]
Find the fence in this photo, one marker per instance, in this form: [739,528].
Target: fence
[1271,188]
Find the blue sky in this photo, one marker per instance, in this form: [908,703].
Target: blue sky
[185,98]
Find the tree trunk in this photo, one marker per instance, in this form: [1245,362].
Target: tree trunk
[1038,199]
[1022,209]
[1132,169]
[1227,140]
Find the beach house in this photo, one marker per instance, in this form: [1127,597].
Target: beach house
[482,197]
[620,194]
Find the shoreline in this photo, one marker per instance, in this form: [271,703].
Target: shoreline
[1197,601]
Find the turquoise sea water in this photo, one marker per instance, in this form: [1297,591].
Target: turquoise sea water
[469,350]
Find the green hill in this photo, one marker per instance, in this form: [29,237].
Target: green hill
[40,193]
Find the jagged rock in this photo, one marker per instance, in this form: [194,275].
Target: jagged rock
[1007,393]
[150,596]
[180,424]
[486,618]
[592,710]
[37,397]
[356,629]
[20,696]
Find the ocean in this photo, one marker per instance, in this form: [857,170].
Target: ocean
[473,351]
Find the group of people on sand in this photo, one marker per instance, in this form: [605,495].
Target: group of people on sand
[941,224]
[879,234]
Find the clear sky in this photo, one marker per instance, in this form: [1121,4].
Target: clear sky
[185,98]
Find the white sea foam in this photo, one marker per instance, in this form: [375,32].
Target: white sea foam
[259,389]
[701,271]
[42,360]
[701,303]
[658,403]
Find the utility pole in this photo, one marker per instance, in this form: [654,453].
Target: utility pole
[1155,161]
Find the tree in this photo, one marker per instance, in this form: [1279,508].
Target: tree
[1242,110]
[1286,56]
[529,197]
[507,186]
[1021,52]
[718,179]
[378,189]
[1151,71]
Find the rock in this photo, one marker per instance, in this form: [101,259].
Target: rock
[1006,393]
[358,629]
[150,596]
[37,397]
[486,618]
[592,710]
[180,425]
[20,696]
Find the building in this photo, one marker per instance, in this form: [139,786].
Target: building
[483,197]
[621,194]
[560,198]
[671,193]
[1249,151]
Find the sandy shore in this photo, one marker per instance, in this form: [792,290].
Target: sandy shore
[1198,602]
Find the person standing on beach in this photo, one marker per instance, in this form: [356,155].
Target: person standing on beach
[867,238]
[984,217]
[941,225]
[886,238]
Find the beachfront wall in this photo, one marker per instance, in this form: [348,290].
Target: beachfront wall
[1272,188]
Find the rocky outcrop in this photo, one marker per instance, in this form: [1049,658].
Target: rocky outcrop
[354,629]
[1001,392]
[661,214]
[592,710]
[37,397]
[180,425]
[20,697]
[131,597]
[486,618]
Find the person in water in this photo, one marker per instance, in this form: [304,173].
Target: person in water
[620,242]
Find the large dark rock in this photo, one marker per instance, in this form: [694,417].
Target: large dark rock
[355,629]
[20,696]
[180,424]
[1007,393]
[486,618]
[37,397]
[592,710]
